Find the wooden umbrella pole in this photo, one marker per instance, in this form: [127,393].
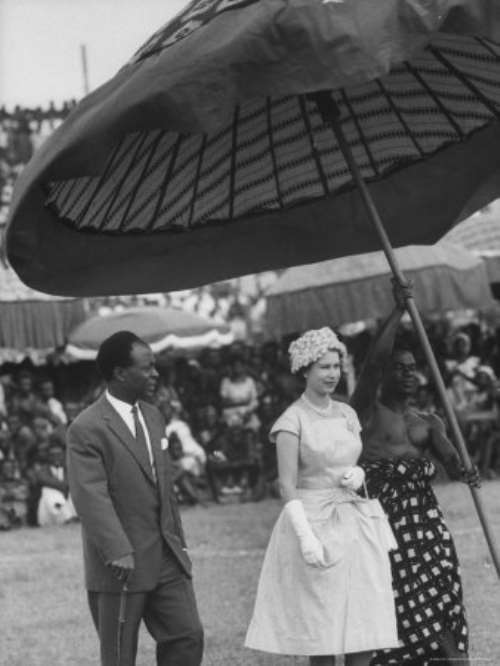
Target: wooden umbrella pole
[330,114]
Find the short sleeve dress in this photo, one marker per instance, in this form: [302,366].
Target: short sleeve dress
[348,605]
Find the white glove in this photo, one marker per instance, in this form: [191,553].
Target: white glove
[353,478]
[310,545]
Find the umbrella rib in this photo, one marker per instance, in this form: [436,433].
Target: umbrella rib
[83,182]
[314,150]
[436,99]
[100,182]
[163,189]
[272,150]
[399,116]
[67,196]
[232,173]
[140,179]
[361,134]
[140,143]
[461,77]
[196,181]
[484,43]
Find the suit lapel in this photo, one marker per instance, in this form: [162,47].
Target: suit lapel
[120,430]
[155,437]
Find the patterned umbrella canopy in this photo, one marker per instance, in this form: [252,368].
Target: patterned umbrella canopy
[205,157]
[33,324]
[161,328]
[339,291]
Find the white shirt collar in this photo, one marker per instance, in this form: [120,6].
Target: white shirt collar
[123,408]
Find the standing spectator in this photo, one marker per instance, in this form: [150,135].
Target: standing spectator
[238,392]
[54,406]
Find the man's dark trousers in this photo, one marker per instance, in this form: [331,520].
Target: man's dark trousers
[169,612]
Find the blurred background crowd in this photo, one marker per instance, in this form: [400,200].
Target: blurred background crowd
[218,403]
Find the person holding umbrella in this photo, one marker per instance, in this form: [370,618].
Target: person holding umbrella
[135,555]
[398,441]
[325,587]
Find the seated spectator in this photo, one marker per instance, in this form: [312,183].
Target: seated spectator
[482,421]
[49,478]
[238,393]
[24,400]
[234,465]
[24,445]
[463,366]
[13,495]
[194,456]
[55,410]
[209,425]
[185,482]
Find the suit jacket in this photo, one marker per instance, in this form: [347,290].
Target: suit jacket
[121,507]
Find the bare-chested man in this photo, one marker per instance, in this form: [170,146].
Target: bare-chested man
[397,440]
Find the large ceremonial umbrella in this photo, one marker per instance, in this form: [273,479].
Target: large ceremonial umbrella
[33,324]
[161,328]
[349,289]
[242,136]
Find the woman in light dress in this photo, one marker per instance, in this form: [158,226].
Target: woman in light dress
[325,587]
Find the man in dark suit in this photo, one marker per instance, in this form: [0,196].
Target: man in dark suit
[121,486]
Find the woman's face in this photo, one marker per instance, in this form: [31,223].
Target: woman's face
[323,376]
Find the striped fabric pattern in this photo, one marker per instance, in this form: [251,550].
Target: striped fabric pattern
[277,152]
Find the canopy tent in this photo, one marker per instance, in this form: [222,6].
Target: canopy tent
[350,289]
[480,233]
[161,328]
[33,324]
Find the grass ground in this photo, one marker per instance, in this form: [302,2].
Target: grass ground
[44,619]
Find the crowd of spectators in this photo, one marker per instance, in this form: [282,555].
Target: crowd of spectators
[218,409]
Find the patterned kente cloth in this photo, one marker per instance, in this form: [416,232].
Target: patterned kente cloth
[425,569]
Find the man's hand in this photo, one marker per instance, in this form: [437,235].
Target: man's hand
[401,292]
[123,567]
[471,477]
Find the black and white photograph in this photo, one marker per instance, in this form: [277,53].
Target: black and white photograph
[249,332]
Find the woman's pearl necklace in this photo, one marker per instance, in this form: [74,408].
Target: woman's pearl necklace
[323,411]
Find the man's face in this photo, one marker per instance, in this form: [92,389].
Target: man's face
[401,376]
[141,376]
[47,390]
[42,429]
[56,456]
[25,384]
[9,469]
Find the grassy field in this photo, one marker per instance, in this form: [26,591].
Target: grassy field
[44,619]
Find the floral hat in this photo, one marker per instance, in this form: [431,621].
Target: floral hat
[312,345]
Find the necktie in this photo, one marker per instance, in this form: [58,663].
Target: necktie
[140,438]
